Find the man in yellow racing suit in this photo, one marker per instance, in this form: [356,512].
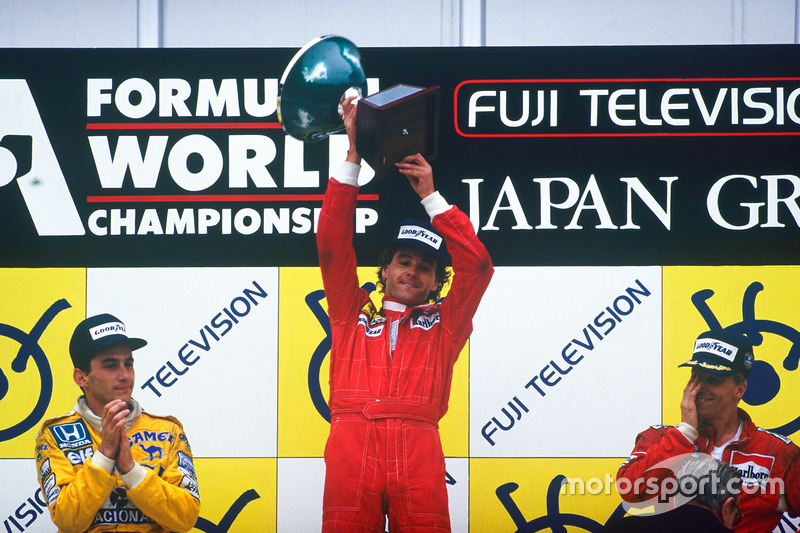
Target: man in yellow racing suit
[109,466]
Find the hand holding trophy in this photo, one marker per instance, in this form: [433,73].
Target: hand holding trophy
[391,124]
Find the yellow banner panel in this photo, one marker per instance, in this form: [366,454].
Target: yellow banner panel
[39,308]
[542,494]
[758,301]
[240,493]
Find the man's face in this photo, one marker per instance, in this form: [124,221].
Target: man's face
[110,377]
[410,277]
[717,394]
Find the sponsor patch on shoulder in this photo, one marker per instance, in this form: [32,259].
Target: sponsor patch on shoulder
[45,469]
[372,320]
[52,495]
[71,435]
[185,464]
[778,436]
[190,484]
[372,330]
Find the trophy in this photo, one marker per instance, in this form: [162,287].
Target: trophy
[391,124]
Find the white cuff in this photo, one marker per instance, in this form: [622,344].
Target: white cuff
[688,431]
[435,204]
[348,173]
[135,476]
[101,461]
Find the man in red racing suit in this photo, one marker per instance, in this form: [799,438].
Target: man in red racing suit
[768,463]
[391,369]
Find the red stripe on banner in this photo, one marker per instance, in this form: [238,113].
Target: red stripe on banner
[618,80]
[219,198]
[612,80]
[184,126]
[697,134]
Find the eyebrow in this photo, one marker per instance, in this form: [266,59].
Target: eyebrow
[114,360]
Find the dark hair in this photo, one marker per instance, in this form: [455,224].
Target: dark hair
[442,272]
[85,363]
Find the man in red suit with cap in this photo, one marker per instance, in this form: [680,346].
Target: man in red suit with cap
[712,423]
[391,368]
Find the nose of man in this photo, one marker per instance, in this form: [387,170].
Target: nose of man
[125,374]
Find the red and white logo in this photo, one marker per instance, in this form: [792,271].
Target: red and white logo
[753,468]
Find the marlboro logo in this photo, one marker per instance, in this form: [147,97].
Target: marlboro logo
[753,468]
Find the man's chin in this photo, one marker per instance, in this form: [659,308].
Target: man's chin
[126,397]
[411,300]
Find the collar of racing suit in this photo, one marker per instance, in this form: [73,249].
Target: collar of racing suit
[748,427]
[82,408]
[391,305]
[397,307]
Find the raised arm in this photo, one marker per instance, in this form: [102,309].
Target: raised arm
[337,259]
[472,266]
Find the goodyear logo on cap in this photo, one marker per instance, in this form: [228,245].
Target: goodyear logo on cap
[420,234]
[715,347]
[109,328]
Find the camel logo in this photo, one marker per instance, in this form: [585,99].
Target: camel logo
[155,452]
[27,158]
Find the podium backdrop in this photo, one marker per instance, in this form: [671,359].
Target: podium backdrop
[630,197]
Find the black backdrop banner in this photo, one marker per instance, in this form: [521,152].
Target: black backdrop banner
[560,156]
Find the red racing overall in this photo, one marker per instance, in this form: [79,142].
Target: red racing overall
[765,460]
[383,455]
